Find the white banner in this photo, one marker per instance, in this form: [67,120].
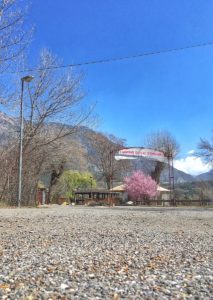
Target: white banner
[135,153]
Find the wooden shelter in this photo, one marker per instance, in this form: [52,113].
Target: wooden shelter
[95,195]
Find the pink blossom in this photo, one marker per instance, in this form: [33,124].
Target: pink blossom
[140,186]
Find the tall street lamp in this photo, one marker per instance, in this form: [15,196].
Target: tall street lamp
[27,78]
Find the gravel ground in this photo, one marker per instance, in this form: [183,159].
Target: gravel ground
[106,253]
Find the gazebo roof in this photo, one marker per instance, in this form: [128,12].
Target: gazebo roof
[121,188]
[161,189]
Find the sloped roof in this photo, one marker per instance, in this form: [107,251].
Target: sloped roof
[161,189]
[121,188]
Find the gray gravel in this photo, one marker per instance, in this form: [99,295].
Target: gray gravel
[106,253]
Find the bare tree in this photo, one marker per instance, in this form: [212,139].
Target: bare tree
[204,191]
[14,34]
[53,112]
[8,155]
[165,142]
[102,149]
[206,150]
[68,154]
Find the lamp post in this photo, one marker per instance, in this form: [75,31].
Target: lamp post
[27,78]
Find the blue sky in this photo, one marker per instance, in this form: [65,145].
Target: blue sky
[170,91]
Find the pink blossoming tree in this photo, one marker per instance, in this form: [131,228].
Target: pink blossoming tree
[140,186]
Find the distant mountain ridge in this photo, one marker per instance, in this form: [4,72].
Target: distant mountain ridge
[208,176]
[9,124]
[179,176]
[8,127]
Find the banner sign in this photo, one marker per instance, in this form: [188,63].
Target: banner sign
[135,153]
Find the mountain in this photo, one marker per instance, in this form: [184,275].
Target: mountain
[208,176]
[6,121]
[147,166]
[9,125]
[179,176]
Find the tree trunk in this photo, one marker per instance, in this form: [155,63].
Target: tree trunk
[157,171]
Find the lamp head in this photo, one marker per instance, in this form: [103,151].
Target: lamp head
[27,78]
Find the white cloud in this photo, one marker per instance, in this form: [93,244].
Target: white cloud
[191,152]
[192,165]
